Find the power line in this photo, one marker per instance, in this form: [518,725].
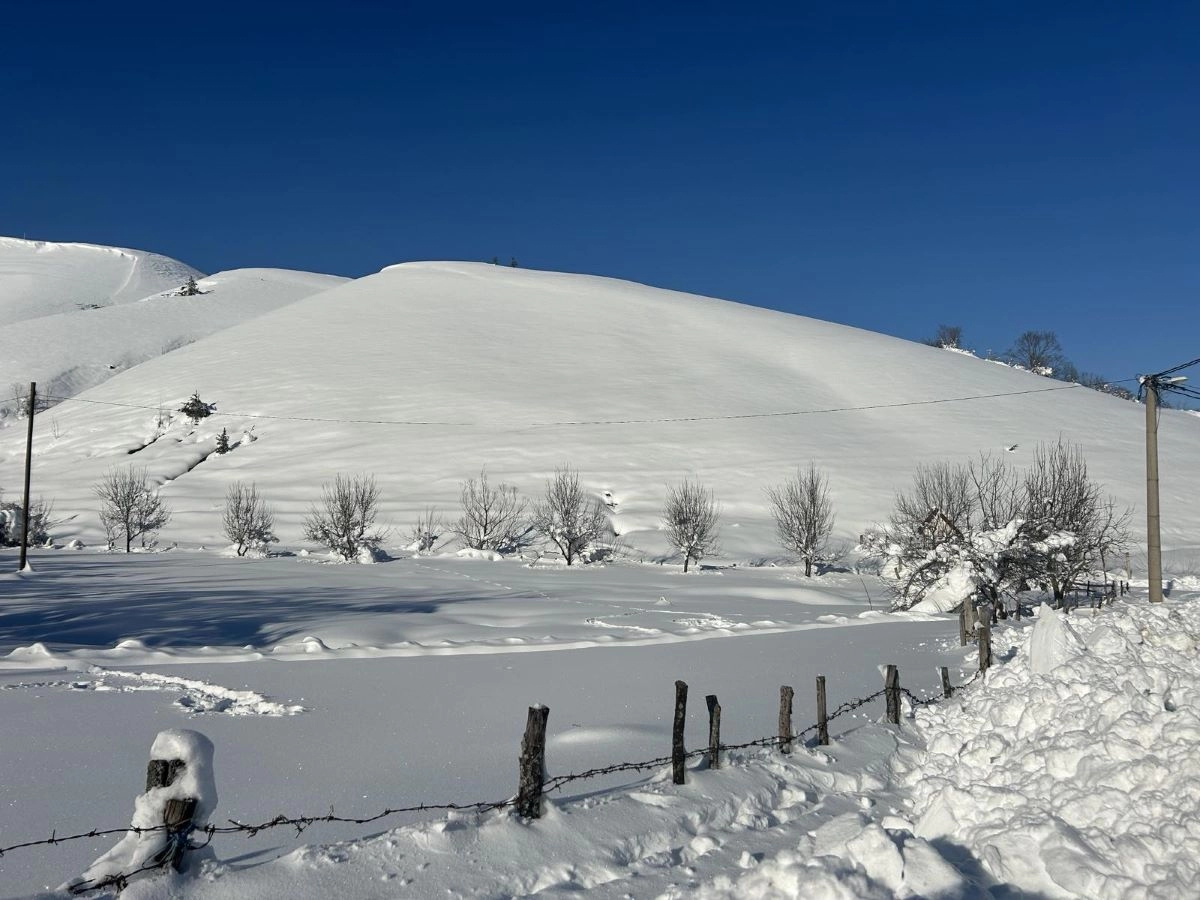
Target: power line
[594,422]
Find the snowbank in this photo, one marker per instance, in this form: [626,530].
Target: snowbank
[1071,772]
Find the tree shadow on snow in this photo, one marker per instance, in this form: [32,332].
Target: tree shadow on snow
[98,600]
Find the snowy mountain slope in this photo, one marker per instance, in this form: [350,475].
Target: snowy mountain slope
[71,351]
[42,278]
[510,369]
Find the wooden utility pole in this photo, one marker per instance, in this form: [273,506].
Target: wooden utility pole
[28,468]
[1153,540]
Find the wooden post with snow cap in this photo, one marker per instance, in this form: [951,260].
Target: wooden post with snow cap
[785,718]
[947,689]
[984,630]
[678,754]
[177,813]
[714,731]
[533,763]
[891,687]
[822,715]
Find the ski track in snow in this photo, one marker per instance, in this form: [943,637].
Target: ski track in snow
[195,697]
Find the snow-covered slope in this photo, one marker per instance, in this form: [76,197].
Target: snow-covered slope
[42,278]
[70,351]
[427,372]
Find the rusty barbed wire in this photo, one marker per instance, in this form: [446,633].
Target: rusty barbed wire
[120,880]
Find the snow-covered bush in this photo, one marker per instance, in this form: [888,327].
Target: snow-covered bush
[691,517]
[248,520]
[427,531]
[980,527]
[493,518]
[344,521]
[128,508]
[11,518]
[567,517]
[803,515]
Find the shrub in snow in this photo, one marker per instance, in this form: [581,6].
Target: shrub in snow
[223,442]
[493,518]
[690,517]
[803,515]
[981,528]
[190,288]
[12,516]
[1037,351]
[128,508]
[248,521]
[427,531]
[196,409]
[344,521]
[193,781]
[567,517]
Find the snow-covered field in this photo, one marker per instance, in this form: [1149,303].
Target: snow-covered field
[365,687]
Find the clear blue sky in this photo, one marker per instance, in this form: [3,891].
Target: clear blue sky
[1002,166]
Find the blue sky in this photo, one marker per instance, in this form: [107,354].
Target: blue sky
[1001,166]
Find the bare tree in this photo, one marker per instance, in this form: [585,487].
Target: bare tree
[947,337]
[568,517]
[248,521]
[803,515]
[1037,351]
[1073,524]
[345,519]
[427,531]
[691,515]
[493,518]
[128,508]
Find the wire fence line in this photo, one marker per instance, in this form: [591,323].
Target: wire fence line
[179,839]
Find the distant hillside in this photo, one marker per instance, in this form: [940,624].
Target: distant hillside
[41,278]
[70,351]
[427,372]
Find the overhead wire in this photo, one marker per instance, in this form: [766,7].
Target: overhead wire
[594,422]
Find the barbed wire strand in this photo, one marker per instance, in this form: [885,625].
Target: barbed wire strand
[120,880]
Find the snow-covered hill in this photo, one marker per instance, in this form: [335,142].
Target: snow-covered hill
[70,351]
[42,278]
[427,372]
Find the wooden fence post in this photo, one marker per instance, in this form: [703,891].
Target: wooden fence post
[985,643]
[822,716]
[714,731]
[678,767]
[177,813]
[947,690]
[785,718]
[891,685]
[533,763]
[962,623]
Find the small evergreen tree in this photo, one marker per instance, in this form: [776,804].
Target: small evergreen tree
[190,289]
[196,409]
[513,262]
[223,442]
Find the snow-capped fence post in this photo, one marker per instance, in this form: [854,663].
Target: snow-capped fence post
[785,718]
[533,763]
[947,688]
[177,813]
[822,715]
[678,754]
[984,631]
[891,687]
[714,731]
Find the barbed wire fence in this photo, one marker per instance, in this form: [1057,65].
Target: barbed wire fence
[179,836]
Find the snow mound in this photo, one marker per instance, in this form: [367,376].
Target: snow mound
[1080,785]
